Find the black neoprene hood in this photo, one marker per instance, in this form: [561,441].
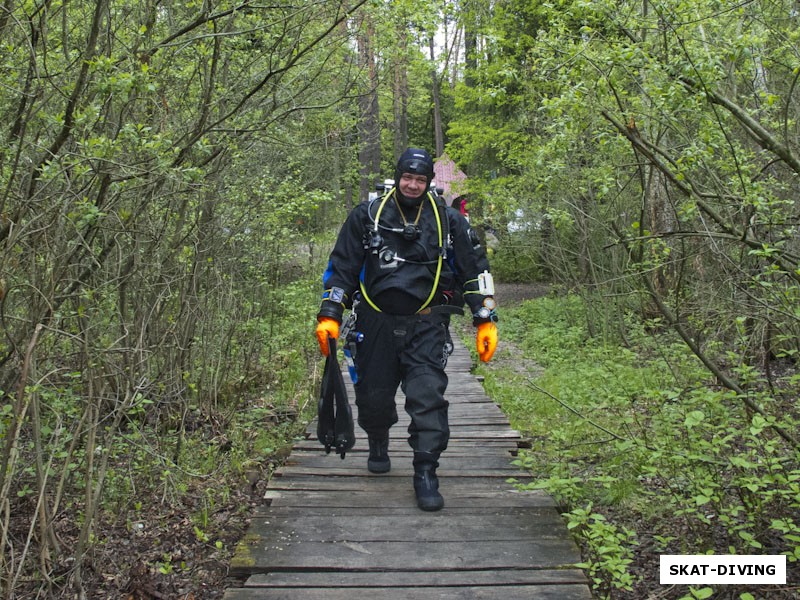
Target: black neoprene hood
[417,161]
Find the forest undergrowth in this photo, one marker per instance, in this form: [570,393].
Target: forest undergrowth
[180,487]
[644,454]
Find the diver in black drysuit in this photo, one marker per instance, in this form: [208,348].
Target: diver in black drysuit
[404,263]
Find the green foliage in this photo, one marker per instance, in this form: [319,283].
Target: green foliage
[609,550]
[171,175]
[642,437]
[550,124]
[517,259]
[701,593]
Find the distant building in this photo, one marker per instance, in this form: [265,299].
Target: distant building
[447,176]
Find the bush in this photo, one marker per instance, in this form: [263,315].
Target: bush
[638,444]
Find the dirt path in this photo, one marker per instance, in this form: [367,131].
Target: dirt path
[508,294]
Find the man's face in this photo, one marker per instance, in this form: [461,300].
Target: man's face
[412,185]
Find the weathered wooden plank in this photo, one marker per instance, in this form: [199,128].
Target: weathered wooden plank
[458,448]
[537,522]
[477,430]
[342,468]
[483,430]
[400,442]
[457,389]
[356,459]
[388,485]
[379,499]
[456,397]
[523,592]
[481,418]
[266,555]
[447,462]
[401,450]
[490,484]
[453,463]
[455,455]
[476,409]
[343,511]
[394,579]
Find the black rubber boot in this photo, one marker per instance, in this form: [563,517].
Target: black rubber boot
[426,483]
[378,461]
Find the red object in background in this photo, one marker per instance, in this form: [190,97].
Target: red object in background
[448,177]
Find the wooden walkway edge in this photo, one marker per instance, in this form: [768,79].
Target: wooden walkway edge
[330,529]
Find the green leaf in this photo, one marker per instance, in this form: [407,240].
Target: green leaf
[694,418]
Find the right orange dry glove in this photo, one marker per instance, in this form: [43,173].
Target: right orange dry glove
[486,340]
[326,327]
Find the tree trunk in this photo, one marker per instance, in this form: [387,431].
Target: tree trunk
[437,107]
[369,155]
[400,94]
[470,42]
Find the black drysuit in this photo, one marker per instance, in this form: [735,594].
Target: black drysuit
[404,268]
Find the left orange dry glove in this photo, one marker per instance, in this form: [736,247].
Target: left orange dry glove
[326,327]
[486,340]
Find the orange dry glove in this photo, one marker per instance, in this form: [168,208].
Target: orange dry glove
[486,340]
[326,327]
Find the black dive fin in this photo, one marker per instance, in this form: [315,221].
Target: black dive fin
[325,407]
[343,422]
[335,427]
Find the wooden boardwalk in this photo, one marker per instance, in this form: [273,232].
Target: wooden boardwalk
[330,529]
